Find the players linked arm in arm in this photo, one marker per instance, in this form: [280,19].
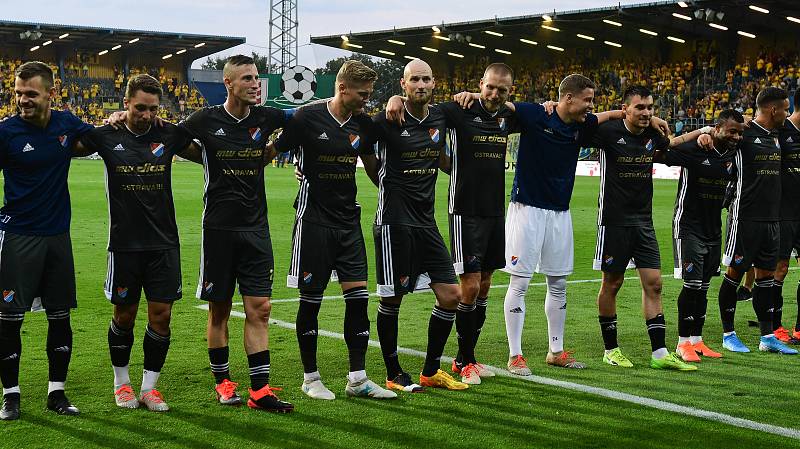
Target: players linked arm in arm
[465,99]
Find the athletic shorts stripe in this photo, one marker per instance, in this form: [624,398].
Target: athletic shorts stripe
[598,249]
[682,188]
[601,196]
[294,267]
[453,168]
[733,216]
[109,284]
[302,198]
[458,251]
[2,240]
[381,187]
[677,271]
[200,278]
[388,266]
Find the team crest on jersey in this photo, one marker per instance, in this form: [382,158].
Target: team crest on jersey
[434,135]
[777,143]
[122,292]
[608,260]
[355,141]
[649,145]
[8,295]
[255,133]
[157,149]
[307,277]
[514,260]
[63,141]
[729,166]
[501,122]
[404,280]
[208,286]
[688,267]
[737,259]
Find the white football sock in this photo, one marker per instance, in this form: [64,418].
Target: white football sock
[149,380]
[514,310]
[660,353]
[121,376]
[310,377]
[54,386]
[356,376]
[555,309]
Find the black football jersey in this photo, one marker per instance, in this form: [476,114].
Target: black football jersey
[626,173]
[139,184]
[758,182]
[701,190]
[233,158]
[409,161]
[790,171]
[327,152]
[478,141]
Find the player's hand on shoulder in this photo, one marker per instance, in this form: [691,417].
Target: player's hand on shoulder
[117,119]
[706,142]
[465,99]
[395,108]
[660,125]
[549,106]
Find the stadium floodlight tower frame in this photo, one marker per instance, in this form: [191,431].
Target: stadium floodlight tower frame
[282,34]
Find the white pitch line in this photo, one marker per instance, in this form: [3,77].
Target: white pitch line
[597,391]
[533,284]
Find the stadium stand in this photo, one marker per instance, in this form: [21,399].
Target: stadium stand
[92,65]
[697,57]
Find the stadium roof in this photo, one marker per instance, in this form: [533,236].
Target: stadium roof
[661,23]
[83,38]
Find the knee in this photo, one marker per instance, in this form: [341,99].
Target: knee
[259,312]
[653,287]
[557,287]
[125,318]
[612,285]
[451,297]
[159,318]
[485,285]
[218,314]
[781,270]
[518,286]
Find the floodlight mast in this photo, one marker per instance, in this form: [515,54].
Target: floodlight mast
[283,26]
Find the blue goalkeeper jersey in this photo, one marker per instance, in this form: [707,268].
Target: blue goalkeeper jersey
[547,156]
[35,162]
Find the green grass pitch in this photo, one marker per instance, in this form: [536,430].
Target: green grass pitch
[502,412]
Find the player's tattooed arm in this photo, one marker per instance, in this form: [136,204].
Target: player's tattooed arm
[609,115]
[193,152]
[688,137]
[117,120]
[658,123]
[371,167]
[80,150]
[465,100]
[445,163]
[395,109]
[269,153]
[85,145]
